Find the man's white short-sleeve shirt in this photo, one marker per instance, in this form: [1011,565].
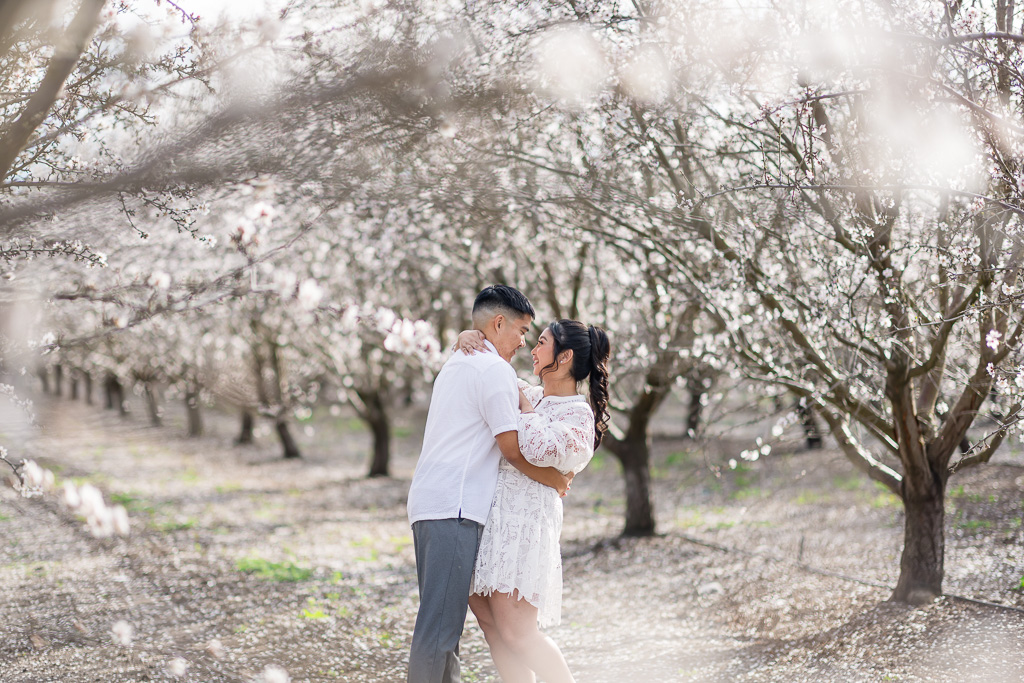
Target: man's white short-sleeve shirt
[474,399]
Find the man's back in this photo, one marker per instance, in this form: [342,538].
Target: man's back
[474,398]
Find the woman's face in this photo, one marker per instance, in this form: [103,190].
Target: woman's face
[544,352]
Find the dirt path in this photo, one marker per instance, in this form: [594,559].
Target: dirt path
[309,566]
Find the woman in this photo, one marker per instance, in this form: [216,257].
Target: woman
[517,581]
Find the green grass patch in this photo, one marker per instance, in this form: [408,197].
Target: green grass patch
[174,525]
[847,482]
[958,492]
[5,518]
[273,571]
[1021,585]
[598,462]
[367,542]
[189,475]
[133,503]
[691,520]
[228,487]
[974,524]
[748,493]
[313,611]
[884,498]
[401,432]
[810,498]
[350,424]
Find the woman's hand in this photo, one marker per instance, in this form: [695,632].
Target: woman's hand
[470,341]
[525,406]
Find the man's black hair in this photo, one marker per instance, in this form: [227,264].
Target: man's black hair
[500,297]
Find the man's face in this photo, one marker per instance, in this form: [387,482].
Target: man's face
[511,335]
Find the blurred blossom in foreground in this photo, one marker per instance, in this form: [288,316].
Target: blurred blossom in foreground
[310,294]
[122,633]
[103,521]
[215,648]
[275,674]
[34,479]
[177,667]
[646,77]
[571,65]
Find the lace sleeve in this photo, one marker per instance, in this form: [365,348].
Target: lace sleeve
[564,441]
[533,392]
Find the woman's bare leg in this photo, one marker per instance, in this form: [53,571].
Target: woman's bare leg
[516,621]
[511,668]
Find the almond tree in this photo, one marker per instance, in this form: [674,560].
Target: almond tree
[859,185]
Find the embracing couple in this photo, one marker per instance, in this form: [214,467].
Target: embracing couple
[485,502]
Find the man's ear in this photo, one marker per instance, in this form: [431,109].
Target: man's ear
[498,321]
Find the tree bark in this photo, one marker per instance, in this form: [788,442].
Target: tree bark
[58,379]
[75,385]
[635,456]
[290,448]
[813,438]
[44,377]
[697,390]
[245,434]
[192,410]
[375,415]
[152,405]
[114,391]
[921,565]
[87,379]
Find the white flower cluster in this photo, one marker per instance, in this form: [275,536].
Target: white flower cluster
[23,403]
[122,632]
[412,338]
[275,674]
[103,520]
[32,479]
[752,454]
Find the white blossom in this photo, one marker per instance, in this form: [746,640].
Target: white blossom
[122,633]
[275,674]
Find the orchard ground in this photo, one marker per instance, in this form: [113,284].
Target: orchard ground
[778,570]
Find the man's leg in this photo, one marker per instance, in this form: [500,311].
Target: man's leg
[445,554]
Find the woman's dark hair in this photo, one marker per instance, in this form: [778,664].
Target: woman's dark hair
[590,351]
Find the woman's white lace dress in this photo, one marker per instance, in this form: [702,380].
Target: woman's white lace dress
[519,549]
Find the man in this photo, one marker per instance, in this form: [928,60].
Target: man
[471,424]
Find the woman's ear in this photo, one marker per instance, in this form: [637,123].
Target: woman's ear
[565,358]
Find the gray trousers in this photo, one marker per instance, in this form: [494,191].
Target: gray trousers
[445,554]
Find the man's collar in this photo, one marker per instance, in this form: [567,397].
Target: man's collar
[489,345]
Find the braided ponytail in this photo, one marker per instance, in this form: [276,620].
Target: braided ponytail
[600,350]
[591,350]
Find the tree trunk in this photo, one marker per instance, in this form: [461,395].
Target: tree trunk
[921,565]
[87,379]
[192,410]
[152,405]
[635,455]
[291,449]
[695,386]
[375,414]
[58,379]
[114,391]
[75,385]
[812,434]
[44,377]
[245,435]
